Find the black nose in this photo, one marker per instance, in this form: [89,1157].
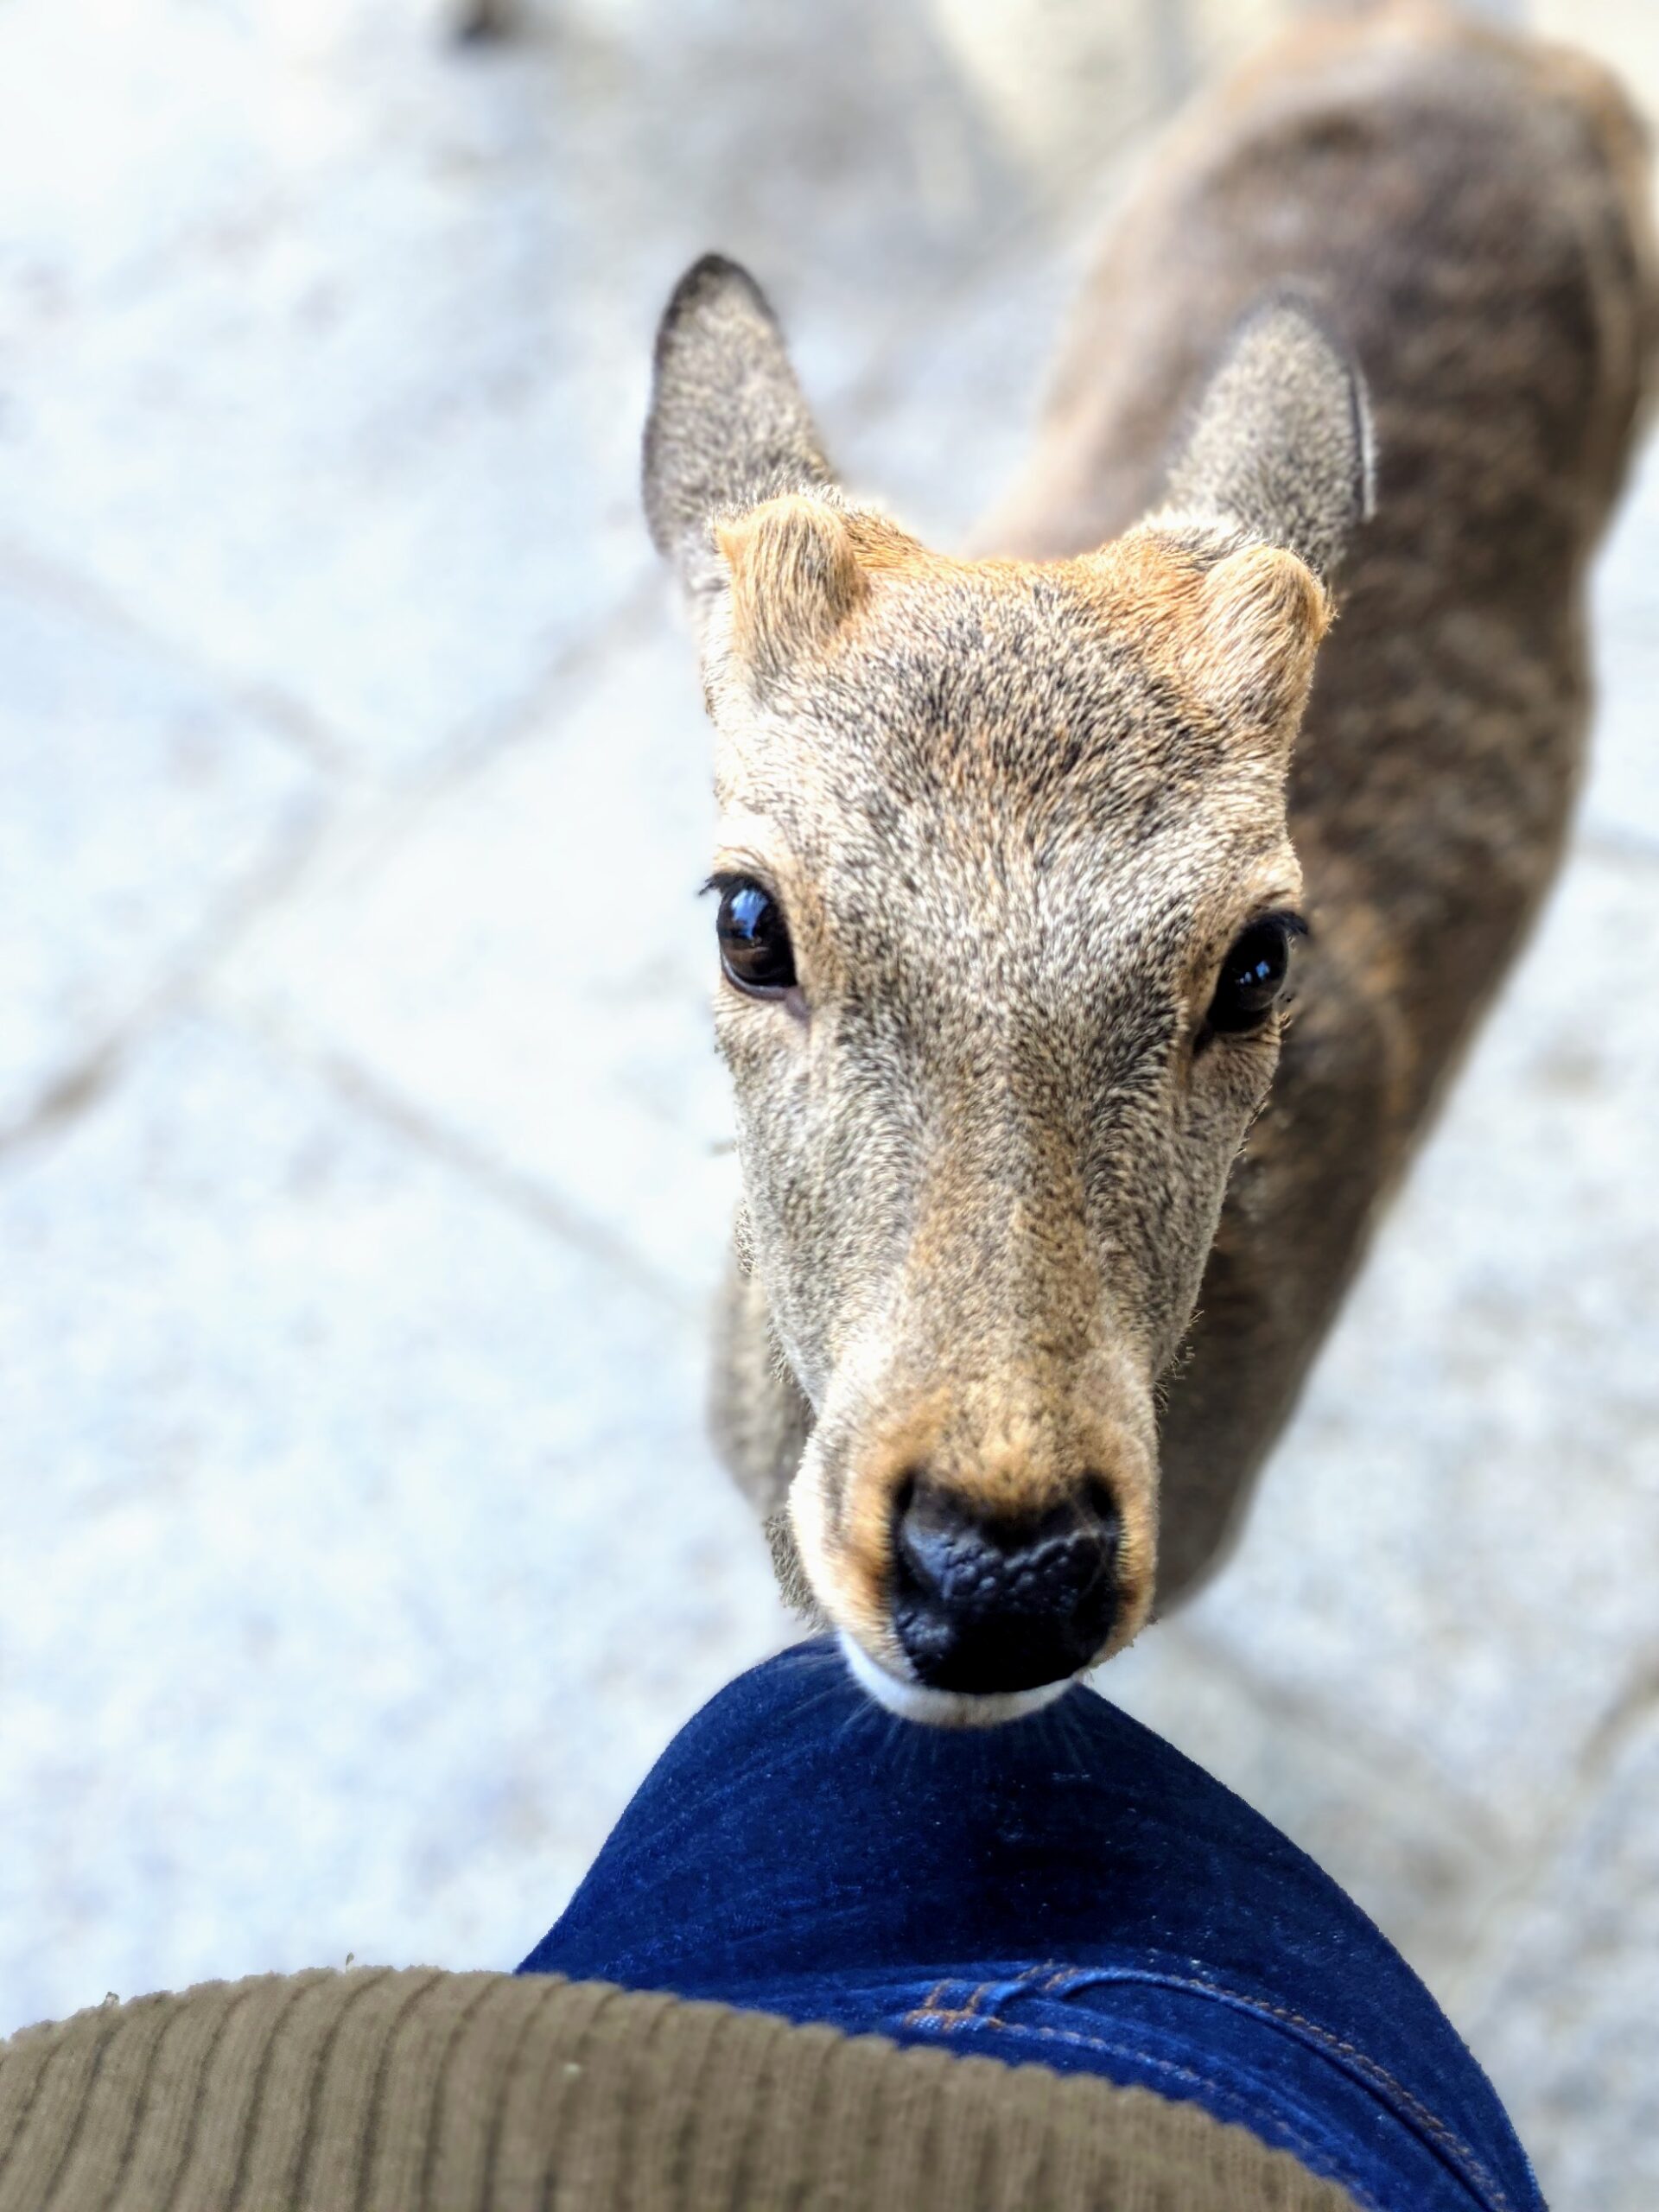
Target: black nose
[986,1605]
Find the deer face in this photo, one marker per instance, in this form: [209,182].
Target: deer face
[1006,919]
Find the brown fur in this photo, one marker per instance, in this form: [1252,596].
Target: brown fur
[794,579]
[1016,810]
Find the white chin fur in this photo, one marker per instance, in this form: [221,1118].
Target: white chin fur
[943,1708]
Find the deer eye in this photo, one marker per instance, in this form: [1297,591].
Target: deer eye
[754,947]
[1253,975]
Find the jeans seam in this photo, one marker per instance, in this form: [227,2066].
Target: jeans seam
[949,2020]
[1439,2131]
[1430,2120]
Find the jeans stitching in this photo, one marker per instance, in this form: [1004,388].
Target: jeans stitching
[1446,2137]
[949,2020]
[1370,2066]
[933,2012]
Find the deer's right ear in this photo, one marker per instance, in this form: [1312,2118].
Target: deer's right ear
[1280,444]
[728,428]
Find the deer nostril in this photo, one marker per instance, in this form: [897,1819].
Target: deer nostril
[986,1604]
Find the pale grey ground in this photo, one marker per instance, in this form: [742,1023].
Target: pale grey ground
[360,1166]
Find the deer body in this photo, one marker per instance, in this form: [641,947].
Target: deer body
[1036,832]
[1471,214]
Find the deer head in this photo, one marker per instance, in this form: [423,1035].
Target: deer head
[1007,914]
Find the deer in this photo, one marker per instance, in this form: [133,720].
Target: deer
[1104,911]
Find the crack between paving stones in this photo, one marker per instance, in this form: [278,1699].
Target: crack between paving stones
[77,1089]
[526,717]
[1630,1710]
[1337,1731]
[1468,1991]
[285,718]
[520,1193]
[71,1094]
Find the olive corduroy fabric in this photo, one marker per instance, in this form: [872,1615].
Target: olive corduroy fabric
[413,2090]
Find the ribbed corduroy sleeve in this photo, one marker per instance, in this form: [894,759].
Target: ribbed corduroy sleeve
[410,2090]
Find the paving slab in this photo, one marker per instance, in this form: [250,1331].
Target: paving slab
[358,1545]
[292,375]
[386,309]
[520,958]
[1566,2018]
[144,814]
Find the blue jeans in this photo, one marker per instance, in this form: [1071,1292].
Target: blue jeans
[1068,1890]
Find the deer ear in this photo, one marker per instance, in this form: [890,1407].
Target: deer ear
[1281,445]
[727,428]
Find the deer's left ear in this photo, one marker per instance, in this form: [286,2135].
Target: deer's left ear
[1280,447]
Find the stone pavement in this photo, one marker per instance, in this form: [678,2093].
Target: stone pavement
[362,1157]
